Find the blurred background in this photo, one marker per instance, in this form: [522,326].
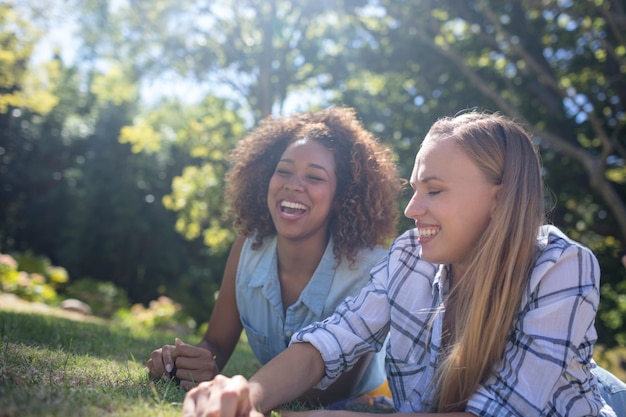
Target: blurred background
[116,119]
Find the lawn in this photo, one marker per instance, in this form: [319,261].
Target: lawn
[54,363]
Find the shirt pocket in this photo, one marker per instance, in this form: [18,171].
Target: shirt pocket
[259,342]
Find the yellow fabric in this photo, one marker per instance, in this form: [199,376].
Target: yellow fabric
[376,401]
[382,391]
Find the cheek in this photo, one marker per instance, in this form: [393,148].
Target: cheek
[274,184]
[475,223]
[272,189]
[323,198]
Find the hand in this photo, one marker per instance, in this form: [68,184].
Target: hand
[161,364]
[221,397]
[194,364]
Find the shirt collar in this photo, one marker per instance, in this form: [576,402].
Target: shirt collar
[316,291]
[441,283]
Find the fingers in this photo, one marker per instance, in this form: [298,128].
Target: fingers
[168,361]
[190,351]
[186,362]
[204,364]
[187,385]
[194,363]
[160,364]
[155,364]
[221,397]
[195,403]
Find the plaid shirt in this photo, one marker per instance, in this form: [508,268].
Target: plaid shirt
[546,367]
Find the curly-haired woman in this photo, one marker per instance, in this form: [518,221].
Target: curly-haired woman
[314,197]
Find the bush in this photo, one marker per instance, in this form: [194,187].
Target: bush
[161,314]
[31,278]
[104,298]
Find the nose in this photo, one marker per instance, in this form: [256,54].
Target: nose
[415,207]
[294,184]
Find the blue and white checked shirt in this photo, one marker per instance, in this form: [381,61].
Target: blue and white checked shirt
[546,368]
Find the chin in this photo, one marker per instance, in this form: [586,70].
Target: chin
[430,257]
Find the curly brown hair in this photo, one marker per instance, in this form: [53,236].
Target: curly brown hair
[368,185]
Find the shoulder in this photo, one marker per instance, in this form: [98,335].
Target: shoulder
[558,252]
[253,261]
[267,245]
[555,246]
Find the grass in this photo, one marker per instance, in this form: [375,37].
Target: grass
[63,365]
[54,363]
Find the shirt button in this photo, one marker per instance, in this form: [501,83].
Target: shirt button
[288,334]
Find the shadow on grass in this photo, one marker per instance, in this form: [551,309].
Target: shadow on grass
[57,333]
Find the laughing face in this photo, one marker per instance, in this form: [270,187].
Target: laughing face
[452,202]
[302,189]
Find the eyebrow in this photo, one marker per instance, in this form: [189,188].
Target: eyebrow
[427,179]
[291,161]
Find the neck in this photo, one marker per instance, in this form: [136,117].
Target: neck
[300,258]
[456,273]
[297,262]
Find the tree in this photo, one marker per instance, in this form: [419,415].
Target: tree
[256,52]
[557,66]
[25,97]
[22,86]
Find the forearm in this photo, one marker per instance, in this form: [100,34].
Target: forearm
[286,377]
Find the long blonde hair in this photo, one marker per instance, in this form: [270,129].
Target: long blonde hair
[484,302]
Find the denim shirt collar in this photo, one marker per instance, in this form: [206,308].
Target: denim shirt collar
[314,294]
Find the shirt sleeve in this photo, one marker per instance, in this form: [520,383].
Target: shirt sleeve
[359,325]
[547,359]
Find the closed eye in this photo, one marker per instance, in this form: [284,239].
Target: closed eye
[281,171]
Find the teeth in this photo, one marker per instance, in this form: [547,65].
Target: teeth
[427,231]
[292,205]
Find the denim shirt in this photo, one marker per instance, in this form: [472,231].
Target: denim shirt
[269,328]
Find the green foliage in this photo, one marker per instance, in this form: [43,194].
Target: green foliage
[205,138]
[614,313]
[21,86]
[31,278]
[114,87]
[161,314]
[104,298]
[131,192]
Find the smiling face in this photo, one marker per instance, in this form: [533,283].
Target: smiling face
[451,204]
[302,189]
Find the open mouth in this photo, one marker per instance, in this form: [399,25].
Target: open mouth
[292,209]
